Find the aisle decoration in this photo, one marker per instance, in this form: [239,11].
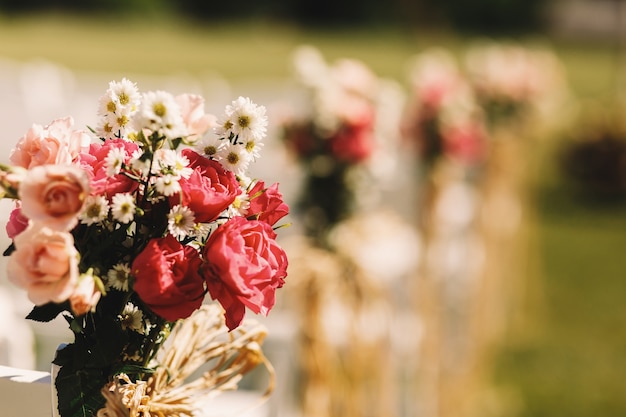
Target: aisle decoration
[149,238]
[343,134]
[472,122]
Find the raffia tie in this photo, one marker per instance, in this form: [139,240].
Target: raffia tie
[201,340]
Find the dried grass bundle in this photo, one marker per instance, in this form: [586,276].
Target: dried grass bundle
[202,340]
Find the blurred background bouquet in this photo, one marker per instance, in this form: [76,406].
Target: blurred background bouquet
[124,231]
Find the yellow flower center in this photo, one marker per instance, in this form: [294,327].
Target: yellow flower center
[232,158]
[243,121]
[159,109]
[124,99]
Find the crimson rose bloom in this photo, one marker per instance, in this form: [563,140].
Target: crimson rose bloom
[94,163]
[267,204]
[167,278]
[209,190]
[243,267]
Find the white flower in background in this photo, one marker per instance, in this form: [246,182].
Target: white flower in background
[123,207]
[181,221]
[160,112]
[114,161]
[96,210]
[167,184]
[131,318]
[118,277]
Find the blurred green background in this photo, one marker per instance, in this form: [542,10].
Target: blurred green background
[567,356]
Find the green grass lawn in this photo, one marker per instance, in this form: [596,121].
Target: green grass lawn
[573,363]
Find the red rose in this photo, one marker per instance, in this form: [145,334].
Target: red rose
[209,190]
[94,163]
[266,204]
[243,267]
[167,278]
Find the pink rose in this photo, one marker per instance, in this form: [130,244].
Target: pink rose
[85,296]
[17,222]
[94,164]
[209,190]
[54,195]
[56,143]
[167,278]
[243,266]
[194,117]
[266,204]
[45,264]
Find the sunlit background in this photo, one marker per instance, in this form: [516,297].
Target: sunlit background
[491,288]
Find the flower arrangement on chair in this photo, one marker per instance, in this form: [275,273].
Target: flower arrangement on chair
[124,231]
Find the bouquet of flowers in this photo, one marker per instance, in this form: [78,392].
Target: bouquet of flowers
[125,229]
[443,118]
[347,121]
[513,82]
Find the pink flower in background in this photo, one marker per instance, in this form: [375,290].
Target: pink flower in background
[95,164]
[56,143]
[195,119]
[54,195]
[17,221]
[243,266]
[266,204]
[44,263]
[167,278]
[209,190]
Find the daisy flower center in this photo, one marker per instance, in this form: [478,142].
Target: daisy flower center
[159,109]
[243,121]
[124,99]
[232,158]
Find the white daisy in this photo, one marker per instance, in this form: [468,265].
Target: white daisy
[96,210]
[249,121]
[240,205]
[114,161]
[234,158]
[167,184]
[180,221]
[118,277]
[131,318]
[125,94]
[171,162]
[123,207]
[202,231]
[209,145]
[142,167]
[117,107]
[160,112]
[253,147]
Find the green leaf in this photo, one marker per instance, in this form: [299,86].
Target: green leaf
[46,312]
[78,392]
